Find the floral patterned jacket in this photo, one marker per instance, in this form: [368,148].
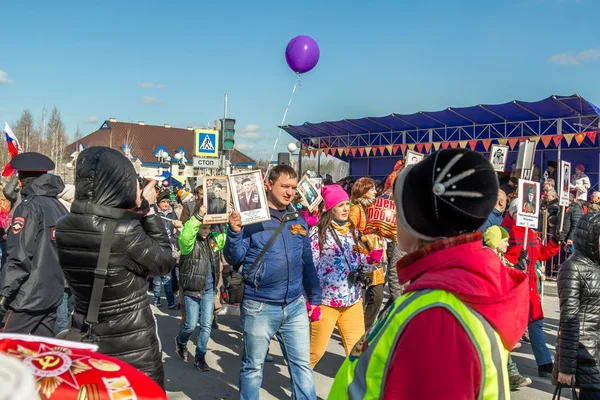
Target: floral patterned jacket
[333,270]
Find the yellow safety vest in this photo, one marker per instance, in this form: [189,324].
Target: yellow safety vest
[363,373]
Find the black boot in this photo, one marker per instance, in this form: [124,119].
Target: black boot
[201,364]
[215,323]
[545,370]
[181,350]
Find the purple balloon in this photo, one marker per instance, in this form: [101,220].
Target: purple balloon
[302,54]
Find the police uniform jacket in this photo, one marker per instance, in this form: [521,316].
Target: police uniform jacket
[32,279]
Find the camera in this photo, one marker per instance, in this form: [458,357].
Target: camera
[359,277]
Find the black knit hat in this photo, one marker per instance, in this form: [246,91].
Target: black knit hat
[449,193]
[163,195]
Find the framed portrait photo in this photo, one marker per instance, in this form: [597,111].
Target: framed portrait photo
[528,210]
[565,183]
[249,197]
[216,199]
[498,156]
[412,157]
[309,192]
[317,183]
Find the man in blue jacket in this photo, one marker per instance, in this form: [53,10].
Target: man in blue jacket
[273,303]
[495,218]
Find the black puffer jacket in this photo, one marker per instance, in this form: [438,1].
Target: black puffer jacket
[578,343]
[106,189]
[194,268]
[572,217]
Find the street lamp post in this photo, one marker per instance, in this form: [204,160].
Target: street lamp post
[178,156]
[292,148]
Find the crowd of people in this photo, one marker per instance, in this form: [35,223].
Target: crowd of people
[464,279]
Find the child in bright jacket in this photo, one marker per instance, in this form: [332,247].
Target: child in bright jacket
[198,277]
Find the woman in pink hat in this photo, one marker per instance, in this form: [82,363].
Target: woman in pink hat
[342,264]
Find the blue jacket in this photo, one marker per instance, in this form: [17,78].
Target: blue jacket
[495,218]
[285,269]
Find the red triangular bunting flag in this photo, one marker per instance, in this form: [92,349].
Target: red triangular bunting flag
[403,148]
[347,152]
[361,150]
[472,144]
[428,147]
[513,143]
[557,139]
[419,148]
[592,136]
[579,138]
[395,149]
[445,145]
[381,148]
[326,151]
[546,140]
[486,144]
[454,145]
[353,151]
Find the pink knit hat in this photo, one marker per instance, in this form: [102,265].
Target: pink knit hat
[333,195]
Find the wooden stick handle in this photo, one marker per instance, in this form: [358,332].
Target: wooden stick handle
[562,218]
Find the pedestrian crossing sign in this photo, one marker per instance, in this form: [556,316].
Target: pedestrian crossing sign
[206,143]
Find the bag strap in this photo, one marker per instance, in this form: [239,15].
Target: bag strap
[100,274]
[286,218]
[558,389]
[337,240]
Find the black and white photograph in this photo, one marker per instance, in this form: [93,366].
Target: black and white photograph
[412,157]
[498,156]
[249,197]
[216,199]
[309,193]
[565,176]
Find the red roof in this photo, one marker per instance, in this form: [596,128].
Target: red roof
[146,140]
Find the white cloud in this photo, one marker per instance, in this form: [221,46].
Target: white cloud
[150,100]
[575,58]
[4,78]
[92,119]
[250,131]
[249,128]
[150,85]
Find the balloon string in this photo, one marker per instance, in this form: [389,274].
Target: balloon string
[297,85]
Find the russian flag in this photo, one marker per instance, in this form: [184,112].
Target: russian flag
[14,148]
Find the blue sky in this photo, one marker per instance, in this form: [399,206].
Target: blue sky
[172,63]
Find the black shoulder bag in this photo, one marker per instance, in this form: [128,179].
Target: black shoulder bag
[77,335]
[287,217]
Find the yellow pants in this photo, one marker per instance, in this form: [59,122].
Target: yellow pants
[350,322]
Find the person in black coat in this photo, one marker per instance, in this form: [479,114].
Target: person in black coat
[106,188]
[572,217]
[32,282]
[578,344]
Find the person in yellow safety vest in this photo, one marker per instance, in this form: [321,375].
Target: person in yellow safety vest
[447,337]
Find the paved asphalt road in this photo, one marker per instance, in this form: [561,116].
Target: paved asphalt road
[184,382]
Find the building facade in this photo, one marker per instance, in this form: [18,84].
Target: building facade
[154,150]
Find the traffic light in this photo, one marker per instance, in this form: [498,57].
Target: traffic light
[228,133]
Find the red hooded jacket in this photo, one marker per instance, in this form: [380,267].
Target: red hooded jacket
[536,251]
[434,356]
